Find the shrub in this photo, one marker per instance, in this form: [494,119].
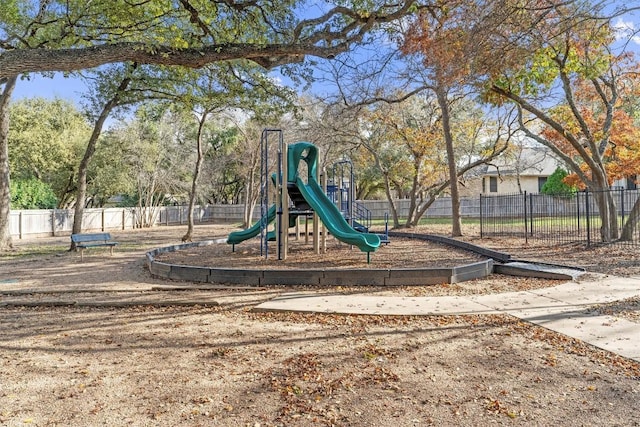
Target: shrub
[32,194]
[555,185]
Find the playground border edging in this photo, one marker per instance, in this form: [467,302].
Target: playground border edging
[324,277]
[490,253]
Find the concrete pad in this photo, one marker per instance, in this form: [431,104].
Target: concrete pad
[367,304]
[599,291]
[522,301]
[543,271]
[609,333]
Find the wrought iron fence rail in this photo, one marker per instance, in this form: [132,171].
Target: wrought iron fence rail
[571,218]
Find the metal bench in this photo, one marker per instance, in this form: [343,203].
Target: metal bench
[91,240]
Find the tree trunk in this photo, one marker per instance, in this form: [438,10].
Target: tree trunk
[81,193]
[630,225]
[413,196]
[392,203]
[456,223]
[606,205]
[5,191]
[194,183]
[251,192]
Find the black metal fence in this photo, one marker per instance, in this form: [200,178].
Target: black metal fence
[559,219]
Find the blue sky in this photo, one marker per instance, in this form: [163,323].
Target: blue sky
[56,87]
[72,88]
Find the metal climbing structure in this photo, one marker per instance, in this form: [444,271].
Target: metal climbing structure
[265,176]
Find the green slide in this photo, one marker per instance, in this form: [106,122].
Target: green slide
[333,219]
[316,198]
[242,235]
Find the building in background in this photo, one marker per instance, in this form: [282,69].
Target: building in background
[523,168]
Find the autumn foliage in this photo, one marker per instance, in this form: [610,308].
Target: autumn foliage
[614,134]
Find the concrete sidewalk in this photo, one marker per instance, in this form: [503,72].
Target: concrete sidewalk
[567,308]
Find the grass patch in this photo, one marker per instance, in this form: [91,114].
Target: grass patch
[34,250]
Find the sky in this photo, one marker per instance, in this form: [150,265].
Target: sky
[72,88]
[56,87]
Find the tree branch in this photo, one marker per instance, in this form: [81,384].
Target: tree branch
[18,62]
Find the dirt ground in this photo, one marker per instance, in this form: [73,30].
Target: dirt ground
[90,343]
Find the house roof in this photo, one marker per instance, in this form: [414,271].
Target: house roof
[525,161]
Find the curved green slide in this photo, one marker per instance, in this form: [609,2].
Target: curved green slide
[332,218]
[316,198]
[236,237]
[242,235]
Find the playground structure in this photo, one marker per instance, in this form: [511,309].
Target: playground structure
[298,195]
[341,189]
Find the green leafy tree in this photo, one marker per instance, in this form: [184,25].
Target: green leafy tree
[555,185]
[45,142]
[70,35]
[112,89]
[570,87]
[238,87]
[32,194]
[107,178]
[157,158]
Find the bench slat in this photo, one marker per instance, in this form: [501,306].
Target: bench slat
[76,238]
[90,245]
[92,240]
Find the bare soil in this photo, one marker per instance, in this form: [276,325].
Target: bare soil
[90,343]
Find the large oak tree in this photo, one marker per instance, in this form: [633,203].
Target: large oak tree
[70,35]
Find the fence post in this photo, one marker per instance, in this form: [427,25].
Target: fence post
[53,222]
[526,234]
[481,215]
[20,225]
[102,219]
[622,205]
[578,210]
[531,214]
[588,214]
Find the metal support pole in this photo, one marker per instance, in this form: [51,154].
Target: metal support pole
[264,191]
[323,183]
[352,194]
[284,201]
[316,223]
[279,201]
